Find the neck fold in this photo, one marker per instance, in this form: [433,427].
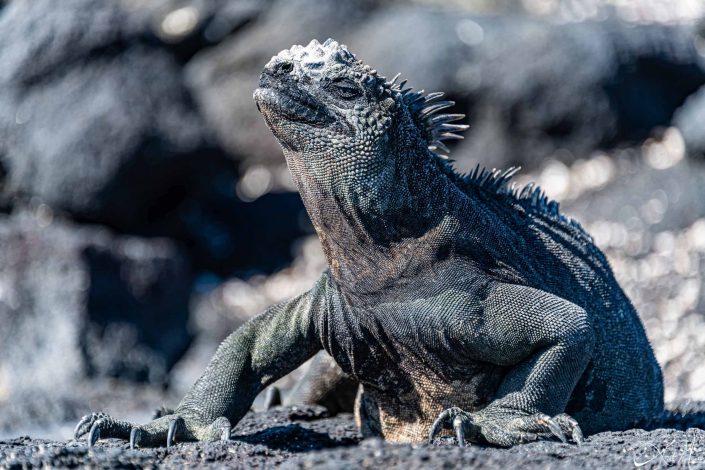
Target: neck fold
[372,232]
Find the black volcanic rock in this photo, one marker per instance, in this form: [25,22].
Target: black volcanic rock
[79,302]
[95,122]
[304,438]
[103,140]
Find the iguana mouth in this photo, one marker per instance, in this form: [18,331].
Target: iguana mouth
[294,106]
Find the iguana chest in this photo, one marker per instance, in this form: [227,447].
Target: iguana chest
[410,351]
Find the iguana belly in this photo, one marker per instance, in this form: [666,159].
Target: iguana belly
[406,416]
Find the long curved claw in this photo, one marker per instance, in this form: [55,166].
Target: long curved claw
[78,431]
[570,425]
[577,435]
[174,424]
[225,427]
[86,423]
[452,417]
[135,437]
[553,427]
[94,433]
[556,431]
[459,431]
[438,424]
[272,397]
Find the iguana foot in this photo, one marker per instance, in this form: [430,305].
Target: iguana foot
[506,428]
[165,430]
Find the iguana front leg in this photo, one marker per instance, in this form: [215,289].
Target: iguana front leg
[261,351]
[547,341]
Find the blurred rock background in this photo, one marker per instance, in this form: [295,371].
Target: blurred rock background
[146,211]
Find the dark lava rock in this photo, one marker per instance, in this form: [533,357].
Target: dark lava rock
[80,302]
[222,233]
[187,26]
[95,122]
[42,37]
[664,447]
[103,140]
[280,437]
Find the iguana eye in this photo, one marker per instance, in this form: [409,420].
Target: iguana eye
[346,89]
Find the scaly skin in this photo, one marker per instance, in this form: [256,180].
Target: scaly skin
[454,300]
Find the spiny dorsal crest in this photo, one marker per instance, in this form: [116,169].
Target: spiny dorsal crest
[531,196]
[425,109]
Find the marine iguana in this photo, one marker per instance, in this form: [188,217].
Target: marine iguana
[457,301]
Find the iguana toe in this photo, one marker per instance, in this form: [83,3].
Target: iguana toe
[159,432]
[174,425]
[94,433]
[135,437]
[506,429]
[455,417]
[84,425]
[165,430]
[544,422]
[221,428]
[459,430]
[98,425]
[570,427]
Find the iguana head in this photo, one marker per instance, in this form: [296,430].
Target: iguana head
[363,153]
[341,123]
